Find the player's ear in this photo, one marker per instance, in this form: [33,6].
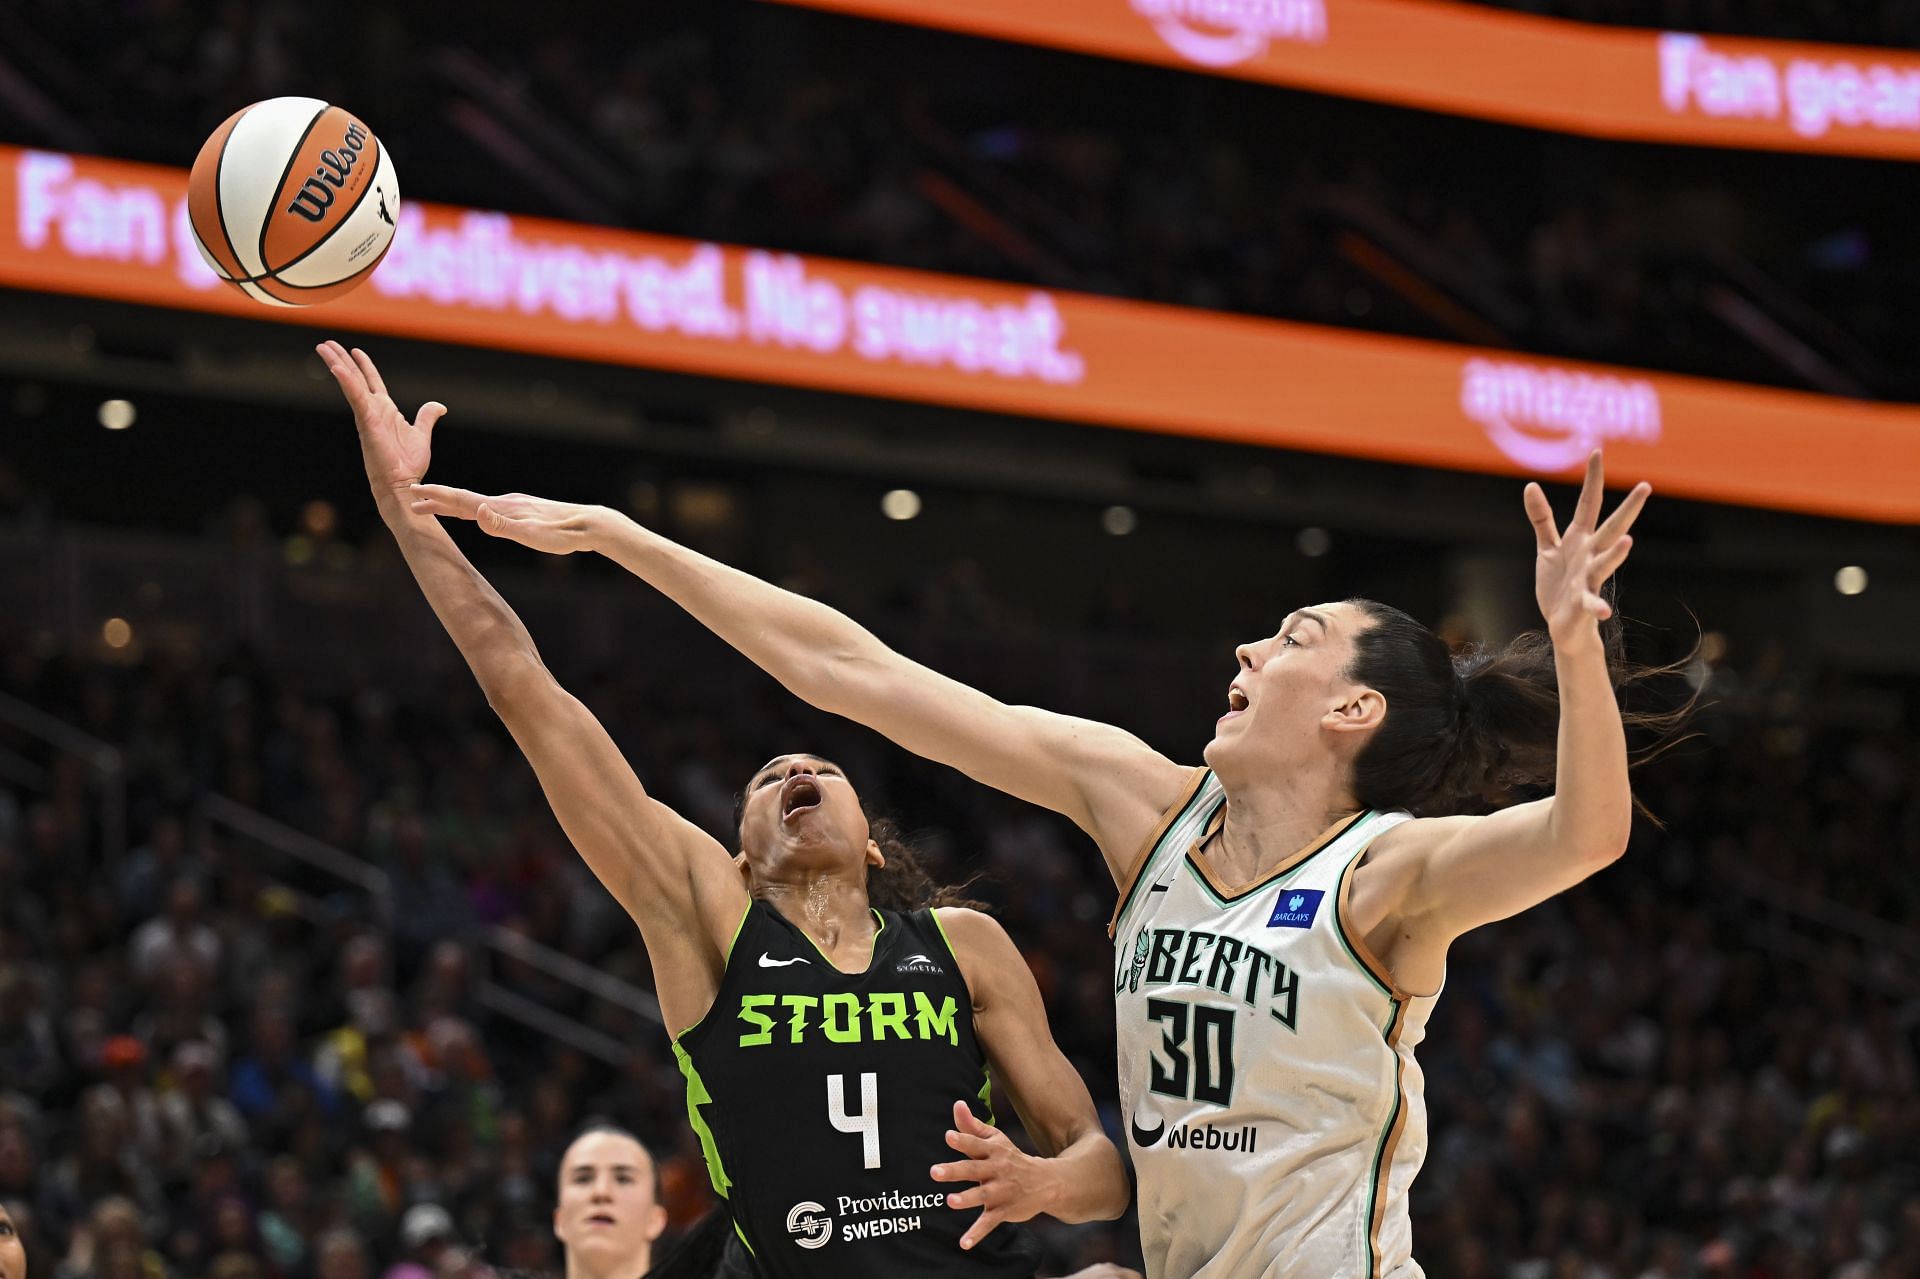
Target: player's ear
[656,1223]
[741,864]
[875,858]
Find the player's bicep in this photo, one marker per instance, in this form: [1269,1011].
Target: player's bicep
[1102,778]
[663,870]
[1475,870]
[1011,1019]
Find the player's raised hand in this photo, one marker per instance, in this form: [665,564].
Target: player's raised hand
[395,450]
[558,528]
[1013,1185]
[1573,564]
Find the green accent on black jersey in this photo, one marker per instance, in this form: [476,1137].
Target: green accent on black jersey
[822,1099]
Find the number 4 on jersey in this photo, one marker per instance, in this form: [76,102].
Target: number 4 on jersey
[867,1122]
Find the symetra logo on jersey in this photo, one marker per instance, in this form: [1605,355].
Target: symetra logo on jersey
[1224,33]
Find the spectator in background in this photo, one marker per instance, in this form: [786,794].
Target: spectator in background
[13,1253]
[179,934]
[426,1236]
[194,1117]
[339,1254]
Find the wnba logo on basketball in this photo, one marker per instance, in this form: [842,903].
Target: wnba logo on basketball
[315,195]
[1550,419]
[1238,30]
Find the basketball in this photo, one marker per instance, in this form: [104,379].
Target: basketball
[293,201]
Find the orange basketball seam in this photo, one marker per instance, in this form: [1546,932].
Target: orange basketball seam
[280,185]
[373,175]
[219,213]
[260,282]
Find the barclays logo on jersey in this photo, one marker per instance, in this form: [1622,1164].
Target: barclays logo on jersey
[1296,908]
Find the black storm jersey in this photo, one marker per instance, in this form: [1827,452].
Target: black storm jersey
[823,1098]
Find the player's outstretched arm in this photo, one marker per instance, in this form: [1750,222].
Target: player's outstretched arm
[1078,1175]
[1474,870]
[1110,783]
[676,882]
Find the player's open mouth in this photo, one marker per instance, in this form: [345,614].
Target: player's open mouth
[602,1219]
[799,793]
[1236,702]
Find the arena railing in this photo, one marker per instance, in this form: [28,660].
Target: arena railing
[499,945]
[206,596]
[105,763]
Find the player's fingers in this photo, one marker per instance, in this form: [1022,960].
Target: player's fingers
[1624,515]
[1592,492]
[429,415]
[368,371]
[344,371]
[959,1170]
[973,1197]
[966,1121]
[968,1144]
[981,1228]
[464,503]
[1540,515]
[495,521]
[1606,564]
[1597,606]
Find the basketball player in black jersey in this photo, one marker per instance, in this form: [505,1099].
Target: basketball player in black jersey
[838,1057]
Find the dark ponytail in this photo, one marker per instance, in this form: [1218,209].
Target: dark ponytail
[1471,731]
[903,883]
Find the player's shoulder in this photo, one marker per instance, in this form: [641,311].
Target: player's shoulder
[968,930]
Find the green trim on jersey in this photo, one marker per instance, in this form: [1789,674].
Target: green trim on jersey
[1153,854]
[744,1241]
[1386,1132]
[698,1096]
[1346,943]
[986,1075]
[1279,877]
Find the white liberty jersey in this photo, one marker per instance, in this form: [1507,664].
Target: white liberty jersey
[1275,1111]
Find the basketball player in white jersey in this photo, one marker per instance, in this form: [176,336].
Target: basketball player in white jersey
[1285,911]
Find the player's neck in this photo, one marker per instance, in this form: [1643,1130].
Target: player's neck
[631,1266]
[831,908]
[1267,825]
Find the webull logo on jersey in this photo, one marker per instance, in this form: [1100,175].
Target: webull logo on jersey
[1177,956]
[860,1217]
[1225,33]
[1238,1139]
[1296,908]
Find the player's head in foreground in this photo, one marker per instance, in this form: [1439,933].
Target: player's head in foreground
[13,1254]
[608,1213]
[801,821]
[1359,702]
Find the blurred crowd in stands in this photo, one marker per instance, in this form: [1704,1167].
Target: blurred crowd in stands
[793,129]
[215,1060]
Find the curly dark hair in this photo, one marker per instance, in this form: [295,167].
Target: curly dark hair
[903,883]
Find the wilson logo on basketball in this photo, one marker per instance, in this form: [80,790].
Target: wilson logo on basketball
[315,195]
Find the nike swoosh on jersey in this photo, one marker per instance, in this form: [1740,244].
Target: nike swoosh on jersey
[768,961]
[1145,1137]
